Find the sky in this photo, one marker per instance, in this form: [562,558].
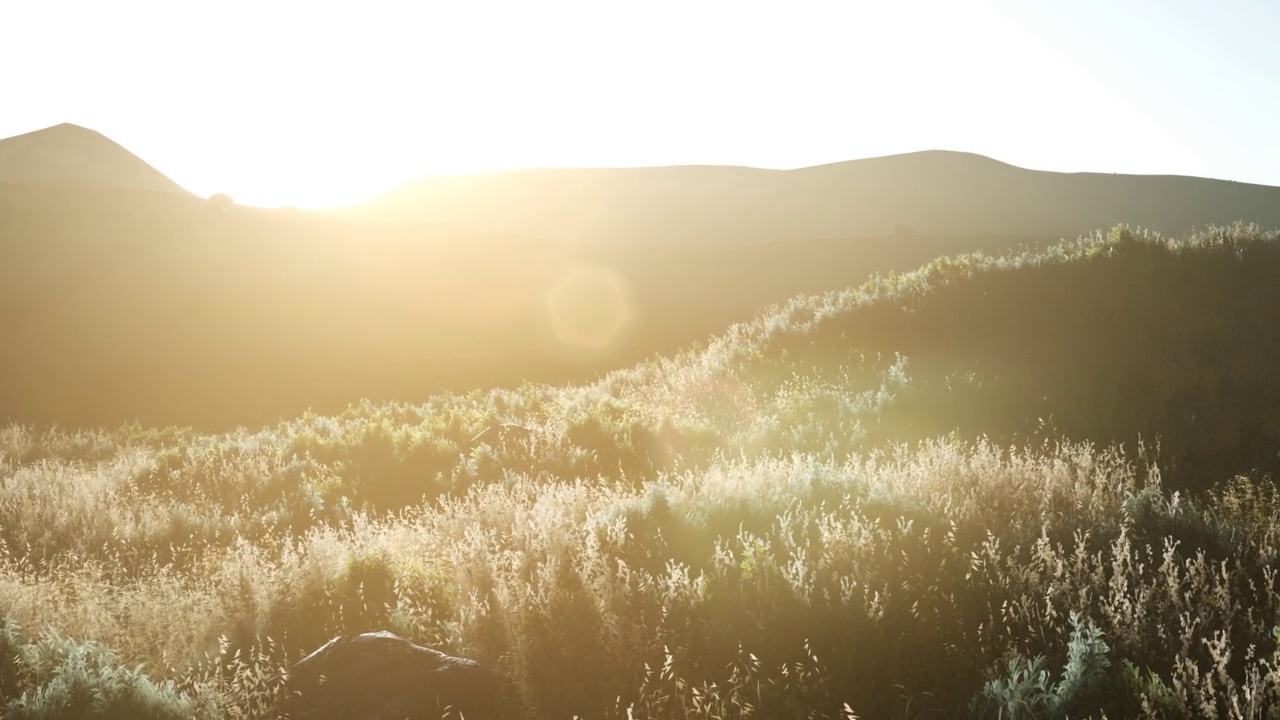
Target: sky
[311,104]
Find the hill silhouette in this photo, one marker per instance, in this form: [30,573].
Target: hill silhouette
[931,193]
[69,153]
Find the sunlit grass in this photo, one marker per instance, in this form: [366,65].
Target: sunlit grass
[896,583]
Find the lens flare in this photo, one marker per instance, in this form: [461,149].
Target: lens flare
[588,307]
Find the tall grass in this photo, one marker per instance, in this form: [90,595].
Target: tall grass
[895,584]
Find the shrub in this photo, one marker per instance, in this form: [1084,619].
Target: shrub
[1084,690]
[84,680]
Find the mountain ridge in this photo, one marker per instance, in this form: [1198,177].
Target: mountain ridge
[932,192]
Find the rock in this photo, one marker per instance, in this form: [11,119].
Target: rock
[381,676]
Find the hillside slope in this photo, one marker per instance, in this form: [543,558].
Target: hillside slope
[930,193]
[1126,338]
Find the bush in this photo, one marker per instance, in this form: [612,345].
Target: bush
[84,680]
[1085,688]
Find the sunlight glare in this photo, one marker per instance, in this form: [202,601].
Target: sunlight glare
[588,307]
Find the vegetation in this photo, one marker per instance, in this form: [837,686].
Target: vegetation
[994,487]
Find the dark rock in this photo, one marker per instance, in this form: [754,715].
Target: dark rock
[381,676]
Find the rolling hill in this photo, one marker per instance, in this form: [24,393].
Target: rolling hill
[124,299]
[929,193]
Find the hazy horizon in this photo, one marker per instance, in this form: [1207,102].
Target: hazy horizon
[317,107]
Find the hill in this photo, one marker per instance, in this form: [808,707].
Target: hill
[1124,338]
[930,193]
[800,518]
[125,305]
[69,153]
[150,305]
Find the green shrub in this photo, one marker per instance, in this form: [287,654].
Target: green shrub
[1155,516]
[84,680]
[1084,690]
[1026,693]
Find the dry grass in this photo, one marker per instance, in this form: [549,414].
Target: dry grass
[892,584]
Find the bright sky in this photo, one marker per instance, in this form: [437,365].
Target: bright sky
[314,103]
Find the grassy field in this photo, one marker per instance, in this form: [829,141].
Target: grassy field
[1035,486]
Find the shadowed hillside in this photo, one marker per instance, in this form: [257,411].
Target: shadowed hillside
[932,193]
[1113,339]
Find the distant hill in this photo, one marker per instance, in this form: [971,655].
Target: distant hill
[929,193]
[69,153]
